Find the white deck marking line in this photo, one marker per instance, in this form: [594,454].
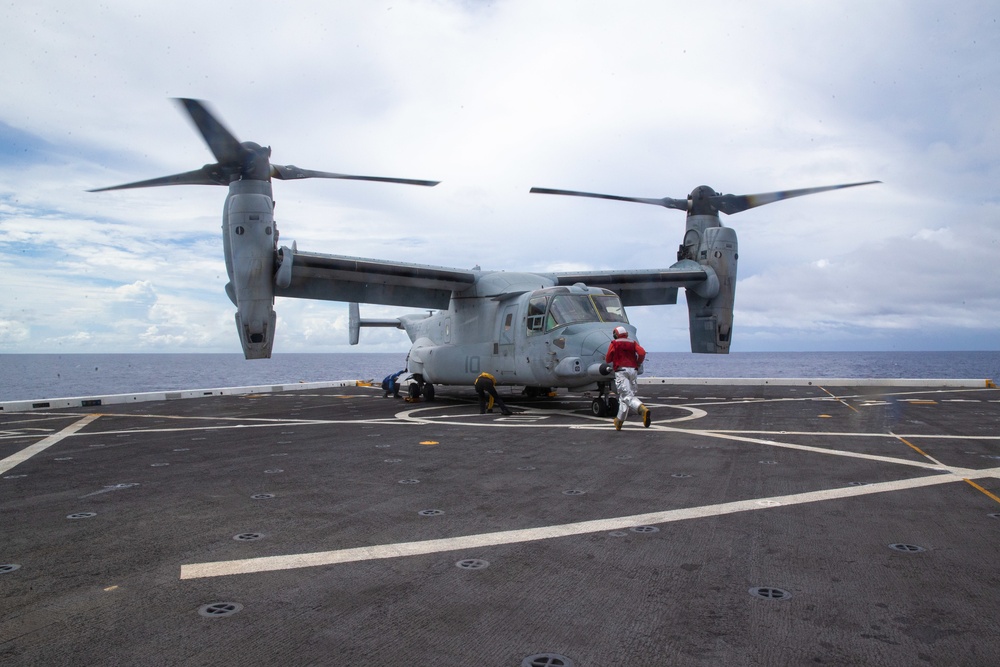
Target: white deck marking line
[40,446]
[411,416]
[471,542]
[830,397]
[846,434]
[819,450]
[271,423]
[839,399]
[51,418]
[263,420]
[916,449]
[24,433]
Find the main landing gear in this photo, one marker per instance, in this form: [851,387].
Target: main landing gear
[420,388]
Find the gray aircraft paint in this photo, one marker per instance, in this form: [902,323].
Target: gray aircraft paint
[478,320]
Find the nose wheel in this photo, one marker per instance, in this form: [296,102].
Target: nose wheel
[604,406]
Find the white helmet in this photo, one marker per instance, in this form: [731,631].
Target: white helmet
[621,332]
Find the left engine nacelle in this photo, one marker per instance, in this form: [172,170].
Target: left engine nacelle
[250,240]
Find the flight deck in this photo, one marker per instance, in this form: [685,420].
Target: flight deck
[754,523]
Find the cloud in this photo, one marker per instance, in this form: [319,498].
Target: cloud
[493,98]
[14,333]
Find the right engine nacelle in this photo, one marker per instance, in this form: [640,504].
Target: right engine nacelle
[250,240]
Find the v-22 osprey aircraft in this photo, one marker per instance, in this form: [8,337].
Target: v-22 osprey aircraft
[537,330]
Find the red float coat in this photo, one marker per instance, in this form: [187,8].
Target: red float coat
[625,353]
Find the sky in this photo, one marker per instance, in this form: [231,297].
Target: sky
[645,98]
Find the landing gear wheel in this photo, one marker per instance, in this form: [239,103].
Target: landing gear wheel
[414,391]
[599,407]
[429,391]
[613,406]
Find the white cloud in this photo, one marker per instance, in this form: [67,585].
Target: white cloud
[14,332]
[647,99]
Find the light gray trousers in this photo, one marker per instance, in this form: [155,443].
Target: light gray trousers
[625,382]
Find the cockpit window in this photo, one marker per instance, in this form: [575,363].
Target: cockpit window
[610,308]
[563,309]
[536,313]
[569,308]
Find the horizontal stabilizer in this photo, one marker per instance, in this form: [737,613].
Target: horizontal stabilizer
[355,323]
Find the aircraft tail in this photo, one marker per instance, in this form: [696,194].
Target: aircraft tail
[355,323]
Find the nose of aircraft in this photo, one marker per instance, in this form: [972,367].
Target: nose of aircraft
[595,344]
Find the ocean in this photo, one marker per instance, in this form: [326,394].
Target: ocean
[46,376]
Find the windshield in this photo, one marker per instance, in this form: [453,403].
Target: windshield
[610,308]
[545,313]
[573,308]
[568,308]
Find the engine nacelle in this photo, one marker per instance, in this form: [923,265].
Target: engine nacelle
[250,242]
[710,307]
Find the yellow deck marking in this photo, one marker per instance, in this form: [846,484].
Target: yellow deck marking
[838,399]
[976,486]
[40,446]
[911,445]
[917,449]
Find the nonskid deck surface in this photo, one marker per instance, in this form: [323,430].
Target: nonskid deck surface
[749,525]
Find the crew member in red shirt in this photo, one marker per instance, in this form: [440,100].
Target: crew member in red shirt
[625,356]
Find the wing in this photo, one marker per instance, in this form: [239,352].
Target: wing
[354,279]
[642,287]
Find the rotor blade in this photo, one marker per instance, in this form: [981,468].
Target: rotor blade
[210,174]
[224,146]
[730,204]
[291,172]
[680,204]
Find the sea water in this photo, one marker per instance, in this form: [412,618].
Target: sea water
[41,376]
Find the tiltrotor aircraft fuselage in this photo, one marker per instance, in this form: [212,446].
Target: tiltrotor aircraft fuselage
[537,330]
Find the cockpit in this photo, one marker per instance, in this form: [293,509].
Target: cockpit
[554,307]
